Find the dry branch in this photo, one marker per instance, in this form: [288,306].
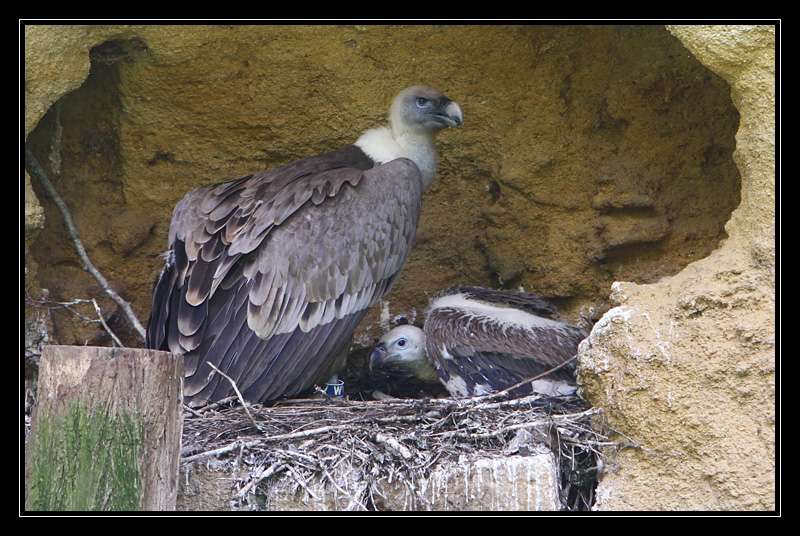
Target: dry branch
[238,394]
[261,475]
[394,444]
[217,452]
[103,323]
[36,171]
[68,306]
[210,407]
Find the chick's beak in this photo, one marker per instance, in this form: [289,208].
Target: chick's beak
[377,356]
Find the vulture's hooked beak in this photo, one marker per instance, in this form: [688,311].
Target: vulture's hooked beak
[452,115]
[377,356]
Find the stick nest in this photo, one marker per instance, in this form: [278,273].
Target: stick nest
[392,440]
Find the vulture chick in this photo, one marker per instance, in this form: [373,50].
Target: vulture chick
[478,341]
[267,275]
[398,366]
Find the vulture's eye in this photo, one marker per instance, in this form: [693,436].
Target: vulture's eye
[422,102]
[401,343]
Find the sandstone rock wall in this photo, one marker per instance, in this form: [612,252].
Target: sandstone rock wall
[686,366]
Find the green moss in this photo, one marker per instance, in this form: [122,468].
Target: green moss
[85,460]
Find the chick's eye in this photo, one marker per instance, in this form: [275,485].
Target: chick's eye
[422,102]
[401,343]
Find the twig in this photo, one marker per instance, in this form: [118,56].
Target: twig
[215,405]
[222,450]
[550,420]
[36,170]
[515,402]
[193,412]
[303,484]
[306,433]
[266,473]
[353,500]
[77,301]
[105,326]
[292,454]
[333,428]
[394,445]
[241,398]
[188,450]
[496,433]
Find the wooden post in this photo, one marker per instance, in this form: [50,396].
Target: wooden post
[106,430]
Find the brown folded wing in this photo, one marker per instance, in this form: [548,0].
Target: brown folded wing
[269,274]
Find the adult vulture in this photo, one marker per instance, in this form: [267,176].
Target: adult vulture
[268,275]
[478,341]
